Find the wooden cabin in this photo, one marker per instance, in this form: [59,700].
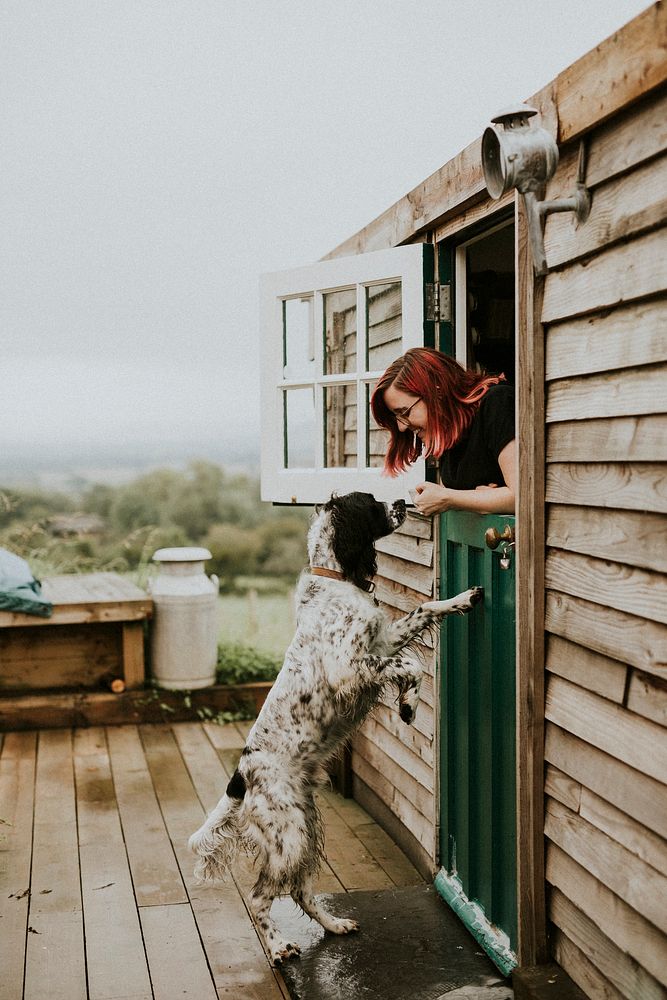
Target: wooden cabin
[533,784]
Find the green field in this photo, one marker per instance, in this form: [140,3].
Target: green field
[265,621]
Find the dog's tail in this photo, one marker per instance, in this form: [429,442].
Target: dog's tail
[218,840]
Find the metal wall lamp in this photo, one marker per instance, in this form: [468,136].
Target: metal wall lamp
[525,157]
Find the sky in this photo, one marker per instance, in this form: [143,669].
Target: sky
[159,156]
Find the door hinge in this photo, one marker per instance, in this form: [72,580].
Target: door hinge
[438,303]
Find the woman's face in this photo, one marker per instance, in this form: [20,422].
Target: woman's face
[409,410]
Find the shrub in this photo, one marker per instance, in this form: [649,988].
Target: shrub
[239,664]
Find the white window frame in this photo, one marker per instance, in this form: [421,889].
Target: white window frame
[315,485]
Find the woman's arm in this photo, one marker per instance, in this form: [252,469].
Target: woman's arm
[489,499]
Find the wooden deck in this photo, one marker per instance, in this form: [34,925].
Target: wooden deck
[97,898]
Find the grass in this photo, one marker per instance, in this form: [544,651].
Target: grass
[265,621]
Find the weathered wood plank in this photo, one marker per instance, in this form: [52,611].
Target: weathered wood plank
[155,873]
[639,885]
[631,138]
[647,696]
[562,787]
[624,829]
[417,526]
[532,944]
[626,928]
[624,485]
[175,955]
[115,959]
[402,807]
[623,273]
[632,792]
[55,953]
[618,439]
[395,594]
[420,744]
[629,392]
[621,209]
[631,739]
[636,641]
[611,76]
[419,578]
[76,656]
[612,584]
[397,752]
[589,670]
[485,208]
[598,962]
[388,855]
[625,337]
[415,550]
[396,777]
[632,537]
[17,784]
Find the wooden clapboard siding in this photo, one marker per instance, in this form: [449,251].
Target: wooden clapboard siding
[395,762]
[605,323]
[590,670]
[635,538]
[612,584]
[626,875]
[605,341]
[618,439]
[625,485]
[626,206]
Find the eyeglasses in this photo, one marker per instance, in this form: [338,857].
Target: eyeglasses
[403,416]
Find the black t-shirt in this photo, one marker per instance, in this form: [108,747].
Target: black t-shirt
[473,461]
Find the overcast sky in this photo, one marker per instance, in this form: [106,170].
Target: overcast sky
[158,156]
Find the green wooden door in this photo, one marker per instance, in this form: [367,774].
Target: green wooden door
[477,736]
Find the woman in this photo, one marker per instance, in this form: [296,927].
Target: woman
[432,407]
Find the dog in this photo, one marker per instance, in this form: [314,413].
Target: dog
[344,654]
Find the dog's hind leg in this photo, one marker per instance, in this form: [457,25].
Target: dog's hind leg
[305,898]
[259,903]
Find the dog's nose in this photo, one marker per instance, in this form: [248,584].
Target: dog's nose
[399,506]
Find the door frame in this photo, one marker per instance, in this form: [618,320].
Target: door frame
[530,553]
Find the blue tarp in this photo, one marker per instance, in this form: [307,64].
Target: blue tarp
[19,590]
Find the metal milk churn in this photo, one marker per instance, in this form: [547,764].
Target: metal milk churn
[184,633]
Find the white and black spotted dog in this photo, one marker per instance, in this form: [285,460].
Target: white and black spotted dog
[343,655]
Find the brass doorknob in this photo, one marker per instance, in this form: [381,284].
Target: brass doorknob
[493,537]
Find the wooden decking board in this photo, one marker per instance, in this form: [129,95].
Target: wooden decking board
[106,881]
[55,952]
[154,869]
[17,782]
[107,884]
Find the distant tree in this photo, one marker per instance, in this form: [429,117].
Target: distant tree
[234,550]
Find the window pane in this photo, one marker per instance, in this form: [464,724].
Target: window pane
[384,315]
[377,438]
[299,406]
[298,343]
[340,426]
[340,331]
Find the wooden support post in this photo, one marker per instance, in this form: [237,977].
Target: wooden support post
[133,654]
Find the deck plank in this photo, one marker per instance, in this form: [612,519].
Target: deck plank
[235,954]
[55,958]
[154,869]
[176,958]
[115,957]
[17,780]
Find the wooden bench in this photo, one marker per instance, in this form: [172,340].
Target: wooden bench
[96,630]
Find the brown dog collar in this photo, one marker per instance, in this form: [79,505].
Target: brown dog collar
[334,574]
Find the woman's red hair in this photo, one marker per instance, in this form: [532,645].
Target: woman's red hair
[452,395]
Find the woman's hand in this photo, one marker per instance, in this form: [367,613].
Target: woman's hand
[430,498]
